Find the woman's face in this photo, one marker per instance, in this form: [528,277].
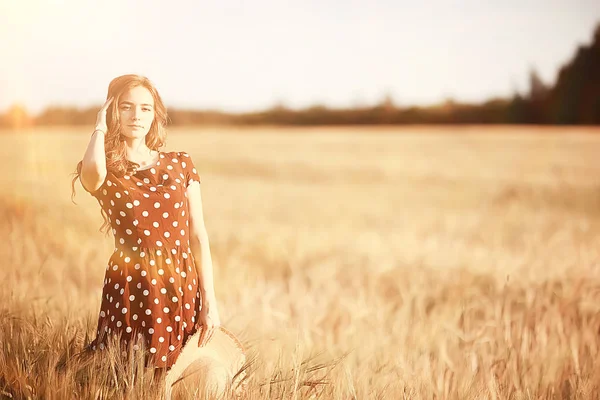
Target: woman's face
[136,112]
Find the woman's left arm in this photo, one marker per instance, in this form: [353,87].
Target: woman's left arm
[208,318]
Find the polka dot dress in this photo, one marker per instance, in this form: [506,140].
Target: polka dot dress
[150,289]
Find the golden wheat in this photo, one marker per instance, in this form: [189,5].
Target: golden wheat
[367,263]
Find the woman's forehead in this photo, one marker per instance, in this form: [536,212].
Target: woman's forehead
[137,95]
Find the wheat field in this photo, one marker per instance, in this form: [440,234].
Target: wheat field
[353,263]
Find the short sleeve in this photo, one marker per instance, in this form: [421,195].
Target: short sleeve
[189,169]
[96,193]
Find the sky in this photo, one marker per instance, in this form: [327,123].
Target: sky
[242,56]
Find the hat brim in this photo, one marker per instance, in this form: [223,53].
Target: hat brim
[211,367]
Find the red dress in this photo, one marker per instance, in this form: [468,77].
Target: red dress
[151,287]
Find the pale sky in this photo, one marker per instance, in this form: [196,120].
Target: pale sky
[249,55]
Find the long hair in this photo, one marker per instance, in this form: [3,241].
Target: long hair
[114,143]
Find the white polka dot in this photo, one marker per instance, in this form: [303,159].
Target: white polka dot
[182,232]
[102,314]
[143,273]
[190,287]
[177,242]
[136,203]
[145,213]
[168,261]
[157,205]
[135,317]
[173,187]
[158,252]
[142,254]
[150,331]
[146,232]
[153,189]
[174,299]
[115,267]
[183,273]
[176,205]
[166,309]
[137,266]
[124,310]
[122,213]
[139,285]
[156,301]
[129,278]
[158,320]
[187,306]
[129,205]
[135,222]
[117,195]
[162,339]
[164,358]
[167,234]
[171,347]
[148,312]
[152,262]
[122,241]
[177,318]
[167,195]
[152,350]
[152,170]
[146,180]
[172,280]
[146,292]
[161,271]
[131,298]
[165,215]
[155,224]
[119,323]
[128,231]
[153,281]
[112,203]
[146,195]
[128,330]
[163,291]
[116,286]
[117,221]
[169,167]
[158,243]
[127,259]
[136,347]
[165,176]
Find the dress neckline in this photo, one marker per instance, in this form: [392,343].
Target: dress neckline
[154,164]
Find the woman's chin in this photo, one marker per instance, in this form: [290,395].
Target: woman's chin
[135,133]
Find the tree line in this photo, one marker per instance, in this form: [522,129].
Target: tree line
[573,99]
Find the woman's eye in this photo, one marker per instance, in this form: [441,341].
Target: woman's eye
[146,109]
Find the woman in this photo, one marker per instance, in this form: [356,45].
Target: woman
[158,286]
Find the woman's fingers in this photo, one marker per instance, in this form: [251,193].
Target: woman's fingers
[107,103]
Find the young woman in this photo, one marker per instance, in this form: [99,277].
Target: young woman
[158,286]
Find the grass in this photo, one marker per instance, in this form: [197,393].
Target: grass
[380,263]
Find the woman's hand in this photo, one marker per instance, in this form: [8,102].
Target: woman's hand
[101,118]
[208,321]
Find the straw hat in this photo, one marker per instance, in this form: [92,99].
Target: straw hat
[208,370]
